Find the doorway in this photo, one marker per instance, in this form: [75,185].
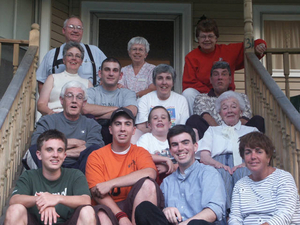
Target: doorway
[157,33]
[179,15]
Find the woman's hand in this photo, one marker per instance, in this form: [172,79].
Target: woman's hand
[120,85]
[219,165]
[205,157]
[260,49]
[238,166]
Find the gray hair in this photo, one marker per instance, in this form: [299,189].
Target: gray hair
[163,68]
[220,65]
[72,44]
[229,94]
[138,40]
[66,21]
[73,84]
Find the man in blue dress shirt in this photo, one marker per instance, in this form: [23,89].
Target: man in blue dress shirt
[194,193]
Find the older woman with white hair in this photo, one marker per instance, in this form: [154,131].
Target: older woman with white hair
[138,75]
[219,146]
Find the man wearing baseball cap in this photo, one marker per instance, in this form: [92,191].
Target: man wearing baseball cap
[121,175]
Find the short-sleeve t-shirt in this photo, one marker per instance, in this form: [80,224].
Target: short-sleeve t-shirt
[154,146]
[71,182]
[104,165]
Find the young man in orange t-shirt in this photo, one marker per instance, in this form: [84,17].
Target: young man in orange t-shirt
[121,175]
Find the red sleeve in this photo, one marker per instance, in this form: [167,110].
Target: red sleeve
[189,79]
[240,58]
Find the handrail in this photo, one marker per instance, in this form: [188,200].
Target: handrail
[275,90]
[16,83]
[286,63]
[12,41]
[16,46]
[283,50]
[17,116]
[281,118]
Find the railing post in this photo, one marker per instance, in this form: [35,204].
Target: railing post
[34,40]
[269,63]
[248,42]
[286,72]
[16,57]
[34,35]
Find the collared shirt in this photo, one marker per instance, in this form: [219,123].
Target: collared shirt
[200,187]
[138,82]
[215,142]
[205,103]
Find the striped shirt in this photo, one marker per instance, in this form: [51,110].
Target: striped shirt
[273,200]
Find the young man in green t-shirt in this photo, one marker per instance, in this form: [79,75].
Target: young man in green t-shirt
[52,194]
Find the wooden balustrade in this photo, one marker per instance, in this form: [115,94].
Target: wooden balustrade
[285,52]
[16,49]
[281,118]
[17,115]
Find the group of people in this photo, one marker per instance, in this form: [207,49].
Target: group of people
[119,146]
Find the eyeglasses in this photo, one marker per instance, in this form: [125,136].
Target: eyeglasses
[73,27]
[70,96]
[210,36]
[138,49]
[77,56]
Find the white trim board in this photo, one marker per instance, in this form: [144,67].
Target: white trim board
[259,10]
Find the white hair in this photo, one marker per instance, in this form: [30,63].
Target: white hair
[138,40]
[73,84]
[229,94]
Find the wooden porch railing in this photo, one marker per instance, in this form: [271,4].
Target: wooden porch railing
[281,118]
[285,52]
[266,98]
[17,112]
[16,46]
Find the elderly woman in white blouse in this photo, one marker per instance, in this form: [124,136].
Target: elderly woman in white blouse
[269,195]
[219,145]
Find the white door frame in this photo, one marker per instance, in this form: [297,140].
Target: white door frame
[183,45]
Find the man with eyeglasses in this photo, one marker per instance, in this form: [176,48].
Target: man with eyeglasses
[83,134]
[52,62]
[198,63]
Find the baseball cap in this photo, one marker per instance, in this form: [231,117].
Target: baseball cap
[119,111]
